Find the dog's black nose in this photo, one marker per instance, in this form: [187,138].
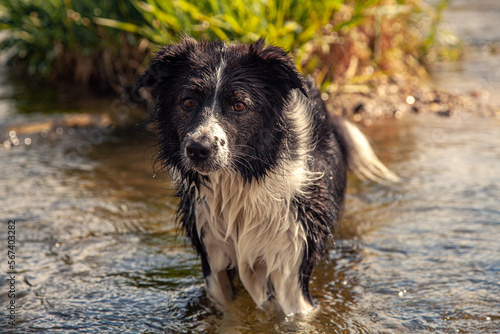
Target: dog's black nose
[197,151]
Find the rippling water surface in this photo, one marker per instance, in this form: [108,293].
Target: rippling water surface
[97,248]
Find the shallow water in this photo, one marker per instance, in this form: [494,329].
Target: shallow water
[97,248]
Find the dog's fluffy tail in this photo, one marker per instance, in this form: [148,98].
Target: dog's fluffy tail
[360,156]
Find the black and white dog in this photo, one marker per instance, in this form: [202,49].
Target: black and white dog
[259,163]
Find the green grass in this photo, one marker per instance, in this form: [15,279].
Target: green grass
[60,41]
[108,43]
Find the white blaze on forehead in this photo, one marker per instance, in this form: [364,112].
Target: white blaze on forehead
[218,80]
[218,75]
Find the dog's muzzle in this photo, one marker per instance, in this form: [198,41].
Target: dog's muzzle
[206,149]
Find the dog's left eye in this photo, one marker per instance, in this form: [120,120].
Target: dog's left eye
[188,103]
[239,106]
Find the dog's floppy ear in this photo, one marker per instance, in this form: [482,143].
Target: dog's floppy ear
[165,61]
[154,74]
[279,65]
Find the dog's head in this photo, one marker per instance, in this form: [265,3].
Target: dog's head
[221,107]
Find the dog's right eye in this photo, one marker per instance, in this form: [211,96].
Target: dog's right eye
[188,103]
[239,106]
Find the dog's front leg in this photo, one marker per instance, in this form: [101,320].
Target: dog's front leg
[289,293]
[218,280]
[219,288]
[254,279]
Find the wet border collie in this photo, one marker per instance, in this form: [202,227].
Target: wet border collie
[259,163]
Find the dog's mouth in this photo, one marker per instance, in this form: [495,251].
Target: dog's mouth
[203,168]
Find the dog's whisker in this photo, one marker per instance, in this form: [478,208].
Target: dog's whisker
[247,155]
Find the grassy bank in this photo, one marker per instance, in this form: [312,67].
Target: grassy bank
[106,44]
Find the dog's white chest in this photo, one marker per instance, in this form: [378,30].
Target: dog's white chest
[242,223]
[244,226]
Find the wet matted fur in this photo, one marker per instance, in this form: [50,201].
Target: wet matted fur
[259,164]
